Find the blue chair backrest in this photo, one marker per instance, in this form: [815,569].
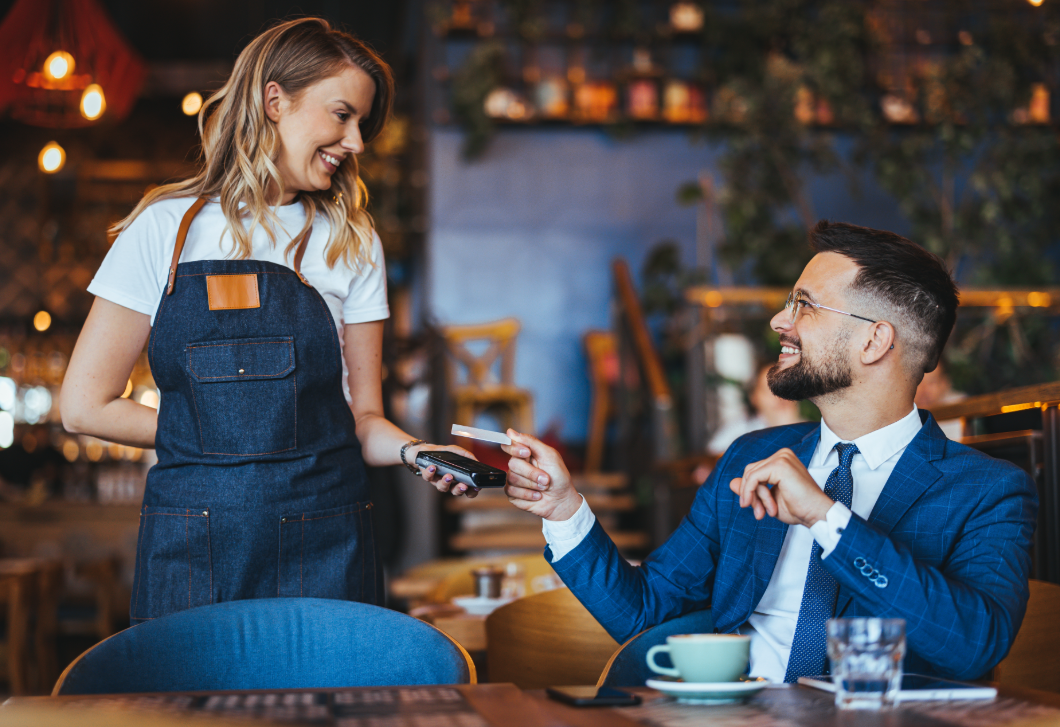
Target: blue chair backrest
[629,667]
[274,643]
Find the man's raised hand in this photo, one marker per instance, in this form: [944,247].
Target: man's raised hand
[781,487]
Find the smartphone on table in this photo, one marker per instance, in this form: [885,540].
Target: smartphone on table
[918,687]
[469,471]
[593,696]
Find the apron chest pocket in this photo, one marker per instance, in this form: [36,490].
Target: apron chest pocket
[245,395]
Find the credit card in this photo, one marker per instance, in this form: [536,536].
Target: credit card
[484,435]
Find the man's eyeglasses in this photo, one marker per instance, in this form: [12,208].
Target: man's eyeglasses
[795,301]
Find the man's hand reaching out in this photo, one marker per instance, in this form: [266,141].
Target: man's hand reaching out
[538,481]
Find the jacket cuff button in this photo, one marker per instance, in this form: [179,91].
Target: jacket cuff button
[859,562]
[881,582]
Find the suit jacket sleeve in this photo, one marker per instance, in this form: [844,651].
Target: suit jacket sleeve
[676,578]
[963,615]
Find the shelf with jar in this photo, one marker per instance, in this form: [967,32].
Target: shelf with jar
[659,62]
[570,75]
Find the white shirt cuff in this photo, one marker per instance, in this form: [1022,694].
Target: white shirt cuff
[828,531]
[563,536]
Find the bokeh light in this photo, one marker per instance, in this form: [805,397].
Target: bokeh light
[52,158]
[93,103]
[42,321]
[191,103]
[58,65]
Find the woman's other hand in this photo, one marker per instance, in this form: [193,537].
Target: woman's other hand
[443,483]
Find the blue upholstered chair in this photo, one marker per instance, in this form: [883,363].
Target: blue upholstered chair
[274,643]
[628,666]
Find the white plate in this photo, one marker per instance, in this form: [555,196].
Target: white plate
[708,692]
[480,606]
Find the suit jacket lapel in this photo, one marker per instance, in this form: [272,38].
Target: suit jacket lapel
[770,532]
[911,477]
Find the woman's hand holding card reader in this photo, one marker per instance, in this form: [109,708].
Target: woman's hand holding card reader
[463,469]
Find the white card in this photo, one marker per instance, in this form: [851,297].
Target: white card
[483,434]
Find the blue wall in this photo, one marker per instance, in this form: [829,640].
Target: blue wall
[530,230]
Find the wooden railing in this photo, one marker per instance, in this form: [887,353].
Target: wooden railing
[1039,396]
[665,437]
[1046,298]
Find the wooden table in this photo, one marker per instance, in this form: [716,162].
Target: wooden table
[504,705]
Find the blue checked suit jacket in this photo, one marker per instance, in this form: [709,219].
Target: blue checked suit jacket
[946,547]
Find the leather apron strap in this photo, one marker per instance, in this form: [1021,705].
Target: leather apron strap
[182,234]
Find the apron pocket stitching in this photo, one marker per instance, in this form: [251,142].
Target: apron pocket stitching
[360,529]
[187,514]
[139,559]
[309,581]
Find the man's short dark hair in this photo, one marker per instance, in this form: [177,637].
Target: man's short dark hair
[899,282]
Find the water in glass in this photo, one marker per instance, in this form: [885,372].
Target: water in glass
[866,657]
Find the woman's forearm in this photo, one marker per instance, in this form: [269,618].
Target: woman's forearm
[122,421]
[381,441]
[91,400]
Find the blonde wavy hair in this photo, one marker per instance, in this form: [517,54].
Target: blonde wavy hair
[240,143]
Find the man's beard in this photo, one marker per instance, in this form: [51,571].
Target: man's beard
[810,380]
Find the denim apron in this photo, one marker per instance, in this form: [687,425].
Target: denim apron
[260,489]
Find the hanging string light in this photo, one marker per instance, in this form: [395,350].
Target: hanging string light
[63,64]
[58,65]
[93,104]
[51,158]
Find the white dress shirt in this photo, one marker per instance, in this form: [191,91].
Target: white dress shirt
[772,625]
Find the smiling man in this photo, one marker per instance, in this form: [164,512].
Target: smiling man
[872,512]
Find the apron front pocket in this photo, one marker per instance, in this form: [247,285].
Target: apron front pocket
[173,568]
[328,554]
[245,395]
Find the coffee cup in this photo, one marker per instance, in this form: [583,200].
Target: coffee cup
[703,657]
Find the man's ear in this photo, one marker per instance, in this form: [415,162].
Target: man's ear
[879,343]
[274,99]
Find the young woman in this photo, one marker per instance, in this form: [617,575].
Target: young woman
[260,282]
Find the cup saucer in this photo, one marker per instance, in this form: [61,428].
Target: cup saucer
[708,692]
[477,606]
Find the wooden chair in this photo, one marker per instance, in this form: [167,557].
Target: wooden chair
[18,592]
[1034,661]
[546,639]
[1033,451]
[601,350]
[49,589]
[478,382]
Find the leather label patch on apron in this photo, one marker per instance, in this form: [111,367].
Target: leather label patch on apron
[229,292]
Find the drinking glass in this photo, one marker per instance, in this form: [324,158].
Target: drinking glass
[866,656]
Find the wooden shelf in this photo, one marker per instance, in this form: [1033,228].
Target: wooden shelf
[600,481]
[497,500]
[61,512]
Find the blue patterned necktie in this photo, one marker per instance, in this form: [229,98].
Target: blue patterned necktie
[818,599]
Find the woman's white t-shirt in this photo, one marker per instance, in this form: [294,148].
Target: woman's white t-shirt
[136,269]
